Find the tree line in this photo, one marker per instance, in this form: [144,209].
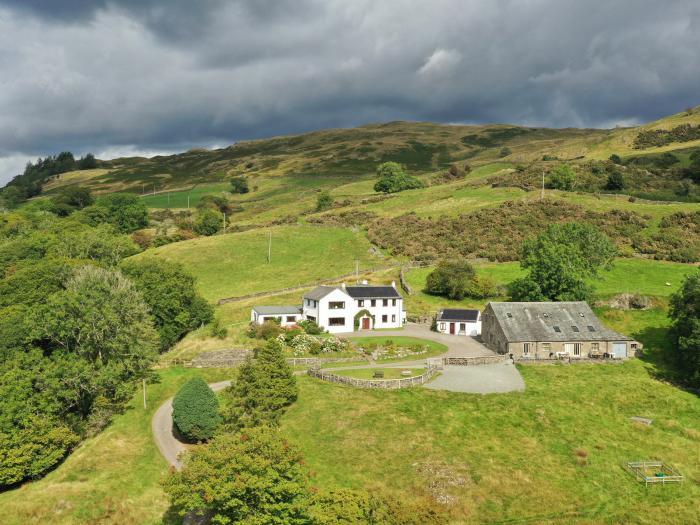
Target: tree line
[79,325]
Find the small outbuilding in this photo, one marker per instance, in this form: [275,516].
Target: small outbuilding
[551,330]
[456,321]
[286,315]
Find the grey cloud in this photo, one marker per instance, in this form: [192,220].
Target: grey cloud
[152,75]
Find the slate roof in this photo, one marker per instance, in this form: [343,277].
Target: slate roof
[372,292]
[552,321]
[282,310]
[458,314]
[319,292]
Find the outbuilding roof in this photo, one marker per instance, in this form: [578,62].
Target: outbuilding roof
[458,314]
[319,292]
[281,310]
[372,292]
[551,321]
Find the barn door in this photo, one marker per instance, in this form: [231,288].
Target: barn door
[620,350]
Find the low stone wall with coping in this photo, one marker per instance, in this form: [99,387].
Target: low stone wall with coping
[386,384]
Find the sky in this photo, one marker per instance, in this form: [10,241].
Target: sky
[142,77]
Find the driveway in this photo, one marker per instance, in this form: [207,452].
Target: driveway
[457,345]
[479,379]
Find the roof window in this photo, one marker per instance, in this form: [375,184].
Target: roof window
[574,328]
[581,314]
[509,315]
[557,329]
[591,328]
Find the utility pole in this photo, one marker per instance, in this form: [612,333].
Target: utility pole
[188,202]
[542,194]
[224,222]
[269,249]
[144,393]
[154,188]
[357,271]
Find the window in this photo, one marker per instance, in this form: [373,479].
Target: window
[310,318]
[336,305]
[574,328]
[393,302]
[595,347]
[385,302]
[384,318]
[336,321]
[393,318]
[442,327]
[591,328]
[526,349]
[557,329]
[291,319]
[361,303]
[373,302]
[577,349]
[546,348]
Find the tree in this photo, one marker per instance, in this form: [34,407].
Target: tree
[254,477]
[170,293]
[265,387]
[196,410]
[616,181]
[125,211]
[560,261]
[72,198]
[101,328]
[324,201]
[393,178]
[88,162]
[684,312]
[451,279]
[615,159]
[239,185]
[562,178]
[208,222]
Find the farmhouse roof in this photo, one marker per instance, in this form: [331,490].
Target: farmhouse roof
[458,314]
[372,292]
[319,292]
[271,310]
[551,321]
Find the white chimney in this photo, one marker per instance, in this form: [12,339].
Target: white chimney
[342,286]
[364,281]
[393,284]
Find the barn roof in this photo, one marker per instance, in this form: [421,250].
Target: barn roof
[551,321]
[282,310]
[458,314]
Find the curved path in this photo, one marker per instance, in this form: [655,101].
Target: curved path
[482,379]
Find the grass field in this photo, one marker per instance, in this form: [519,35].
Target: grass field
[389,373]
[112,478]
[562,442]
[236,264]
[179,199]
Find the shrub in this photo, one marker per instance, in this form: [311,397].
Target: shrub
[393,179]
[615,182]
[334,344]
[196,410]
[239,185]
[310,327]
[504,152]
[324,201]
[267,330]
[209,221]
[562,178]
[217,330]
[451,279]
[305,344]
[615,159]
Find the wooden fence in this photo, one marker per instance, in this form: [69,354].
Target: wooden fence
[387,384]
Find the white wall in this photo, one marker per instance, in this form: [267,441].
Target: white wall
[470,328]
[261,318]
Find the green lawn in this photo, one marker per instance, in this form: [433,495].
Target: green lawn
[236,263]
[178,199]
[112,478]
[550,454]
[389,373]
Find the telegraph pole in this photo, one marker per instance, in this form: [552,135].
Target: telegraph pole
[357,271]
[542,194]
[224,222]
[144,393]
[269,249]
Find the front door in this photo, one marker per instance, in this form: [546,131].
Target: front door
[365,323]
[452,328]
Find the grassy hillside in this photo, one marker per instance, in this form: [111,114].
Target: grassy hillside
[236,263]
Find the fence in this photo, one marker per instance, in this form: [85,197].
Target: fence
[388,384]
[653,471]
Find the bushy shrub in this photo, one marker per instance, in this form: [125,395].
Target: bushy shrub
[615,182]
[267,330]
[393,179]
[311,327]
[334,344]
[324,201]
[196,410]
[305,344]
[209,221]
[562,178]
[457,280]
[239,185]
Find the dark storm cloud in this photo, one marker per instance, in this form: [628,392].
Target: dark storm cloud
[127,75]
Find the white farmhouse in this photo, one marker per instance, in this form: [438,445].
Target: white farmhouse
[457,321]
[341,308]
[286,315]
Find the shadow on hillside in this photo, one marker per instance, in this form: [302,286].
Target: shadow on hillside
[659,354]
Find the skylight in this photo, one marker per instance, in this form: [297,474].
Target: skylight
[591,328]
[557,329]
[574,328]
[509,315]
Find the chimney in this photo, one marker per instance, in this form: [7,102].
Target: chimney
[393,284]
[364,281]
[342,286]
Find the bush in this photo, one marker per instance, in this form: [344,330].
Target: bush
[562,178]
[310,327]
[393,179]
[615,182]
[125,211]
[504,152]
[685,329]
[451,279]
[239,185]
[217,330]
[267,330]
[196,410]
[209,222]
[615,159]
[324,201]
